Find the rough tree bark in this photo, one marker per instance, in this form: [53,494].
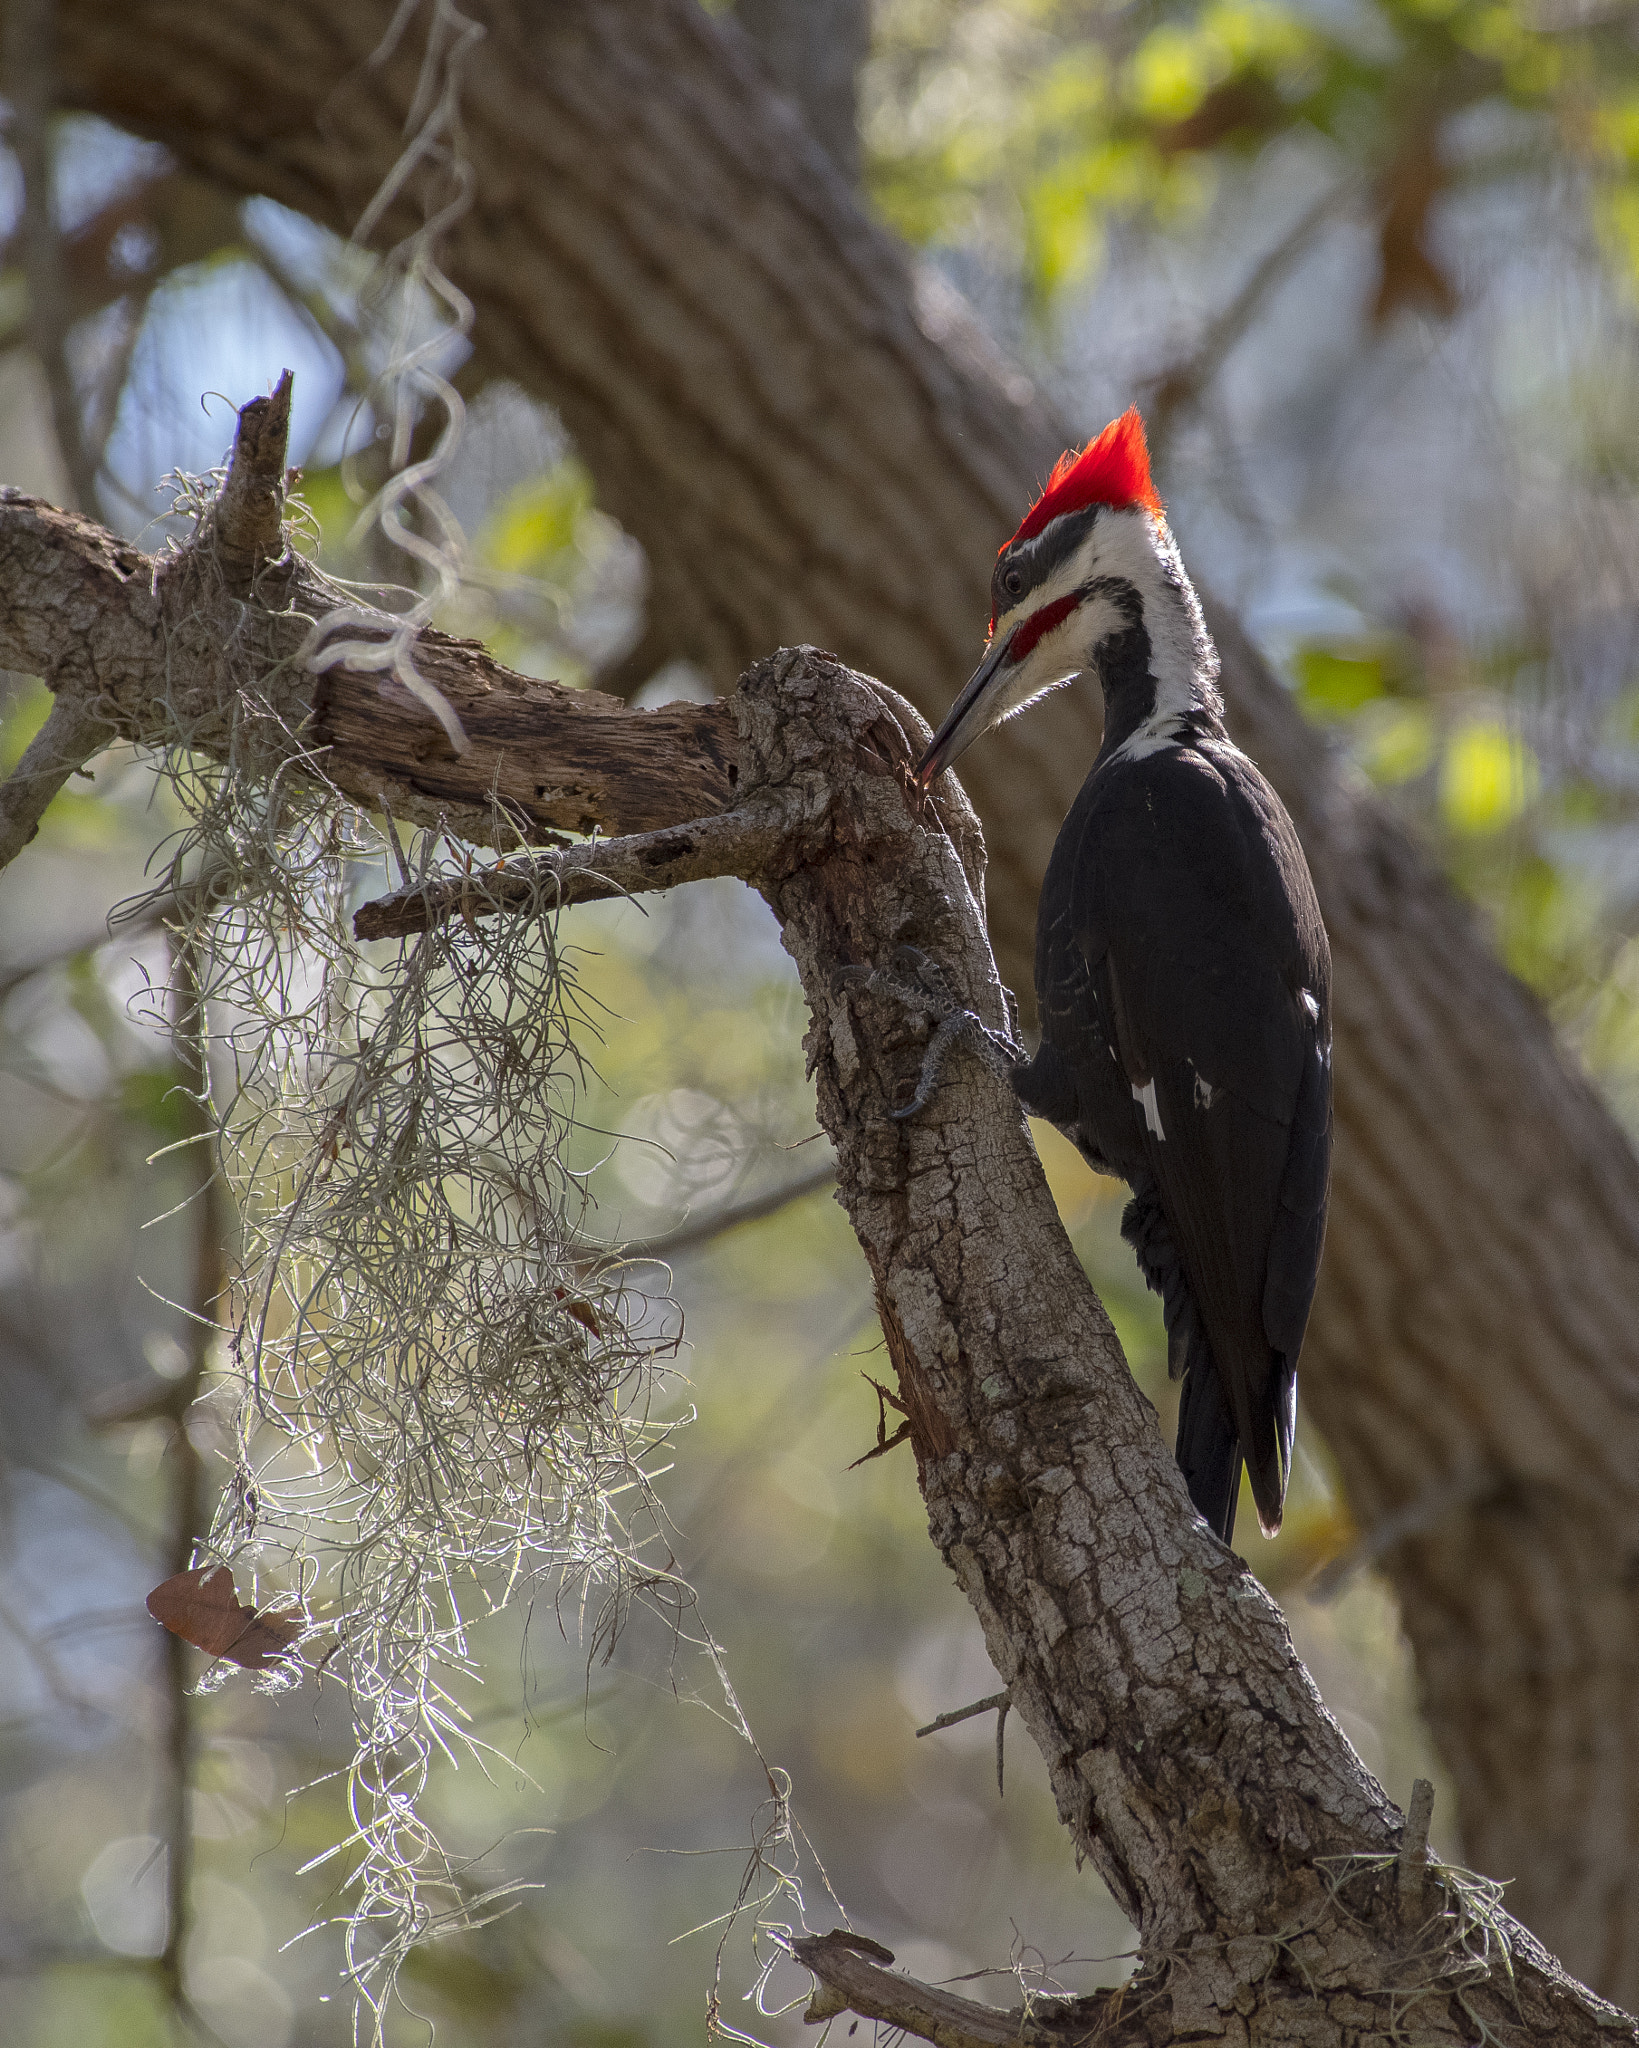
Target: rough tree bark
[1278,1894]
[813,446]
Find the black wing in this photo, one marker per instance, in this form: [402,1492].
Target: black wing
[1192,908]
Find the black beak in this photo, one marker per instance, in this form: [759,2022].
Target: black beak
[967,717]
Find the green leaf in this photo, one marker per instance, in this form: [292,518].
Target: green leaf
[1333,685]
[1396,743]
[1172,71]
[535,525]
[1488,776]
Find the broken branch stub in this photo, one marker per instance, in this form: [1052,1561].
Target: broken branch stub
[852,1974]
[248,517]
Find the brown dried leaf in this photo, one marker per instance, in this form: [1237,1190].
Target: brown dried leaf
[1411,277]
[1248,107]
[203,1608]
[582,1311]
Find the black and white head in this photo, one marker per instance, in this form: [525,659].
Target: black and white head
[1092,583]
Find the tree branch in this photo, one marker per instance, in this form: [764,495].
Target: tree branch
[72,733]
[165,651]
[849,1976]
[737,842]
[1190,1756]
[716,1223]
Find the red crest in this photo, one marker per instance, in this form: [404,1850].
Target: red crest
[1114,470]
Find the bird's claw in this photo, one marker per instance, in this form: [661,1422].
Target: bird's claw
[930,977]
[924,985]
[994,1049]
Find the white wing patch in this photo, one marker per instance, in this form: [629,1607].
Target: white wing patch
[1145,1096]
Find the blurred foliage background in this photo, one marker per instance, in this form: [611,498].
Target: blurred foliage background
[1370,267]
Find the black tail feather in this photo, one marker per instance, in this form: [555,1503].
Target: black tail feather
[1146,1229]
[1209,1451]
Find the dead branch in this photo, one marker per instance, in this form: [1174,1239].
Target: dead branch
[1413,1863]
[165,651]
[737,842]
[1181,386]
[72,733]
[249,513]
[850,1975]
[1190,1756]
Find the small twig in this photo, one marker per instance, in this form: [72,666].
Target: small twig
[70,736]
[998,1702]
[884,1443]
[738,842]
[1413,1868]
[46,1662]
[101,413]
[188,1516]
[706,1229]
[1179,386]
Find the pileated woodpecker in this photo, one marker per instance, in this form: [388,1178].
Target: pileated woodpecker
[1182,970]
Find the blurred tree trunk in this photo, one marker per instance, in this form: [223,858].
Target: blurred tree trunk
[815,49]
[814,444]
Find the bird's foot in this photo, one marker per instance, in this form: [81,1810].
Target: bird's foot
[921,984]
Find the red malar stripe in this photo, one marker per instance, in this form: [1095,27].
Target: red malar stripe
[1038,623]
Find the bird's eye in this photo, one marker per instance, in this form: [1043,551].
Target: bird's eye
[1012,582]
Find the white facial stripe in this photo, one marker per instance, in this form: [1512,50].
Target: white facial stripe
[1069,575]
[1144,552]
[1139,550]
[1058,657]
